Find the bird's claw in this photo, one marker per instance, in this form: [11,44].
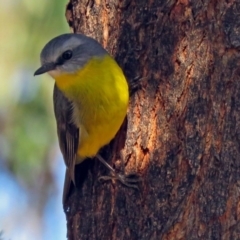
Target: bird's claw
[129,181]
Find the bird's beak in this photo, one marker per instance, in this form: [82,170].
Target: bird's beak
[45,68]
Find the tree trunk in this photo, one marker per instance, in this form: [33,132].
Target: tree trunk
[182,133]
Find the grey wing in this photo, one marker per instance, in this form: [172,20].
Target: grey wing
[68,135]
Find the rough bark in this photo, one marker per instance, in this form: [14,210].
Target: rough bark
[182,133]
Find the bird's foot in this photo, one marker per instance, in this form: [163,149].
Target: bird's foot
[129,181]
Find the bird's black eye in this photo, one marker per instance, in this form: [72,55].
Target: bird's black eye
[67,55]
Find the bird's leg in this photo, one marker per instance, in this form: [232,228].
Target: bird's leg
[125,180]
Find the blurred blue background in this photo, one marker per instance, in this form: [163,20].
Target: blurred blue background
[31,166]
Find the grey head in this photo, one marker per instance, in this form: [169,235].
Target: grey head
[68,53]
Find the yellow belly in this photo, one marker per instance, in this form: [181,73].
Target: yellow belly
[100,95]
[93,138]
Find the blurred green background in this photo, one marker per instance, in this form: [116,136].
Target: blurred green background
[30,161]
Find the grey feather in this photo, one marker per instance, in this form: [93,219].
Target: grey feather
[68,136]
[82,47]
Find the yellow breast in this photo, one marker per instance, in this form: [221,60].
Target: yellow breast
[100,95]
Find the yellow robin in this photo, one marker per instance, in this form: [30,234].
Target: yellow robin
[90,98]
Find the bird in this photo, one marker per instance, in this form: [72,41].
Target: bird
[91,97]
